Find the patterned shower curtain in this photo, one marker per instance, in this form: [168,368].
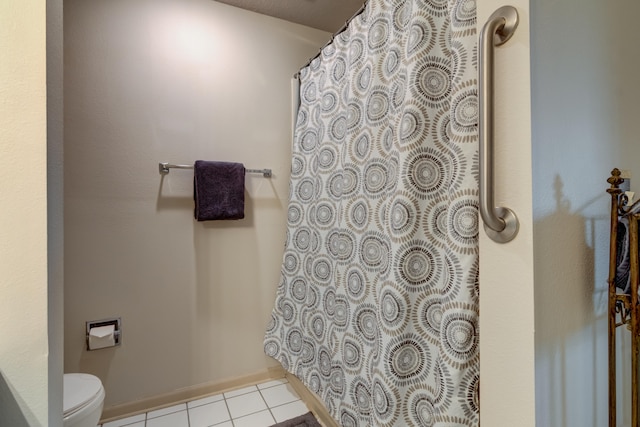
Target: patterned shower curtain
[377,307]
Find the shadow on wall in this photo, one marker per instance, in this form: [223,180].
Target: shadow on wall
[571,328]
[97,362]
[11,412]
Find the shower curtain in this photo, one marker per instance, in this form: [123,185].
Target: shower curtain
[377,307]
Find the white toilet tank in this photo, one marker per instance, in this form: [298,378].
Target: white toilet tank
[83,400]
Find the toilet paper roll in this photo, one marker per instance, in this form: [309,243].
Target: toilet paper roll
[101,337]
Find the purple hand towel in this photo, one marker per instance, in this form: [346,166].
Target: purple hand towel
[218,190]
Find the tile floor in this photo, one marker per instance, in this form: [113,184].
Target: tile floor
[259,405]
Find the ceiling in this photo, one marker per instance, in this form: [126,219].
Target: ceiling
[327,15]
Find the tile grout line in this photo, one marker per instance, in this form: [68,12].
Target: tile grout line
[268,407]
[224,398]
[228,410]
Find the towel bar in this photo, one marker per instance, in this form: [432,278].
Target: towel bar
[164,169]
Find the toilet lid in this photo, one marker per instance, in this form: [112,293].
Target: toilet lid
[79,389]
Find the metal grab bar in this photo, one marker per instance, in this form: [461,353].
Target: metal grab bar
[163,168]
[500,223]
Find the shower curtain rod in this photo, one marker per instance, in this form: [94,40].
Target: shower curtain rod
[164,169]
[344,27]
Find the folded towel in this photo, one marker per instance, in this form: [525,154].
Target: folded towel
[218,190]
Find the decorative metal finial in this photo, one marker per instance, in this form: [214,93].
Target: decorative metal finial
[615,180]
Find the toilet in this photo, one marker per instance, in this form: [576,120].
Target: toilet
[83,399]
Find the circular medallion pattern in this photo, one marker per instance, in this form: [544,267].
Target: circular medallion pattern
[425,173]
[362,397]
[361,148]
[431,82]
[363,79]
[463,223]
[378,33]
[394,313]
[299,289]
[377,305]
[297,166]
[341,245]
[339,70]
[403,217]
[294,214]
[271,347]
[354,116]
[302,239]
[352,353]
[406,360]
[322,270]
[338,128]
[337,381]
[325,214]
[356,50]
[365,322]
[327,158]
[356,284]
[401,16]
[465,115]
[308,353]
[294,340]
[465,13]
[290,262]
[329,102]
[377,105]
[375,252]
[385,400]
[375,178]
[305,189]
[347,419]
[459,335]
[308,92]
[421,411]
[391,64]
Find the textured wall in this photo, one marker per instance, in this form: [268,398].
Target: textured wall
[175,81]
[23,216]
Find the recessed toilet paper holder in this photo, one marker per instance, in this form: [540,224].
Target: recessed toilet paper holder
[102,336]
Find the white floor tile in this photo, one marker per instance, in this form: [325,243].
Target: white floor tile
[279,395]
[165,411]
[289,410]
[272,383]
[260,419]
[246,404]
[208,415]
[126,421]
[204,401]
[224,424]
[240,391]
[177,419]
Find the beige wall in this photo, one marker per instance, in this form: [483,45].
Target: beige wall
[507,386]
[23,216]
[176,81]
